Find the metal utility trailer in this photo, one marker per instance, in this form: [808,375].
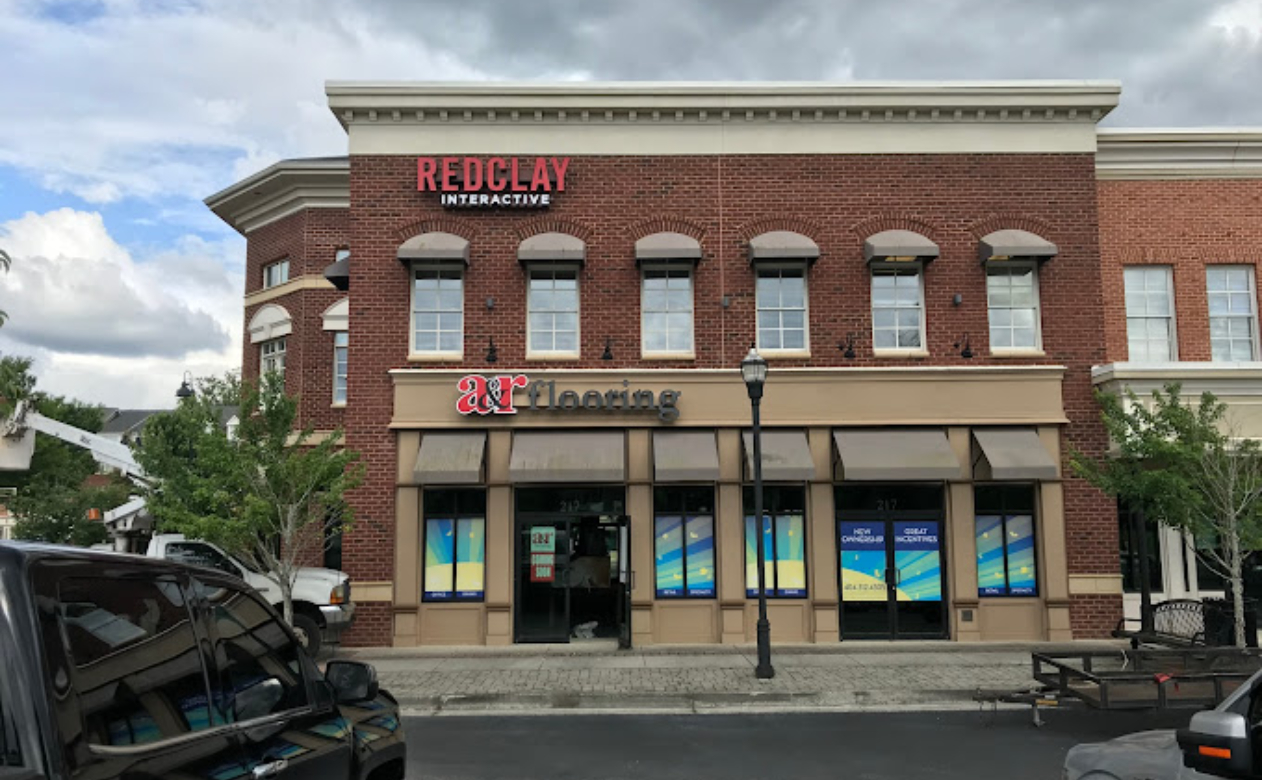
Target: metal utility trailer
[1133,679]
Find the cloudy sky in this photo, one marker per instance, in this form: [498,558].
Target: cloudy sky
[121,115]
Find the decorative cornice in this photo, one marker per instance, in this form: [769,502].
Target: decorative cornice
[1196,377]
[578,103]
[1192,153]
[297,284]
[282,189]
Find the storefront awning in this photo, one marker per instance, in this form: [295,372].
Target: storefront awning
[896,456]
[685,456]
[1014,244]
[786,457]
[1012,454]
[562,456]
[898,245]
[450,458]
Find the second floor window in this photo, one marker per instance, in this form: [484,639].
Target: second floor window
[1149,314]
[272,354]
[553,313]
[275,273]
[1232,312]
[438,312]
[782,310]
[898,320]
[1012,298]
[341,352]
[666,327]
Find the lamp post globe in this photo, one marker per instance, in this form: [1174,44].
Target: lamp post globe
[754,372]
[186,387]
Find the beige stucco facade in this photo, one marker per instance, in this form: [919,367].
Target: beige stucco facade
[955,401]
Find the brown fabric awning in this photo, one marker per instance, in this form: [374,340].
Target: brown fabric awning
[685,456]
[436,246]
[563,456]
[786,456]
[450,458]
[898,244]
[1012,454]
[897,456]
[552,246]
[667,246]
[1014,244]
[782,245]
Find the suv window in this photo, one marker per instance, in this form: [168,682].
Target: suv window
[137,667]
[10,747]
[201,555]
[259,669]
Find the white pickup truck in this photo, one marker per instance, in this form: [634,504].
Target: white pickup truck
[322,597]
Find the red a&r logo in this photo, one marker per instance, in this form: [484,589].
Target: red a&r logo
[488,394]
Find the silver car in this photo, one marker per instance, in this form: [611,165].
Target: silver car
[1222,742]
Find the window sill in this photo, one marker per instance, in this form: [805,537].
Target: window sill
[545,356]
[341,405]
[1017,352]
[784,354]
[668,356]
[900,353]
[436,357]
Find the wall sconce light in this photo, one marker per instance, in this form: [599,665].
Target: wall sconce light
[608,354]
[847,347]
[490,303]
[957,299]
[726,302]
[492,355]
[966,351]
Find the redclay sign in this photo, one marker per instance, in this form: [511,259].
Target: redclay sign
[494,181]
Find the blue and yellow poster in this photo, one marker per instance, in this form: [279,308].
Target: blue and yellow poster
[1013,540]
[918,559]
[681,544]
[790,556]
[455,552]
[1020,541]
[863,561]
[700,557]
[669,542]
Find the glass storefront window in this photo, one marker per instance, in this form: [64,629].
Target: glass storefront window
[607,501]
[784,542]
[455,545]
[1129,546]
[683,541]
[1004,533]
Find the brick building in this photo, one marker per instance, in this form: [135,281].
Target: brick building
[526,305]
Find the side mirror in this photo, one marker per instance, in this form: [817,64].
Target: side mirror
[1217,743]
[352,681]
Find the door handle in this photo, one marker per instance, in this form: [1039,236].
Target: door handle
[269,770]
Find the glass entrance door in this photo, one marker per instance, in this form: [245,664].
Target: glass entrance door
[543,608]
[891,563]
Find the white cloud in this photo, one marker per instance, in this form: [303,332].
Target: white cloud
[108,327]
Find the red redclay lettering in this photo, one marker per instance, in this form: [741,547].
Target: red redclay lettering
[449,174]
[472,174]
[426,167]
[559,166]
[495,181]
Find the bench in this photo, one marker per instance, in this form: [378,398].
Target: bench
[1176,623]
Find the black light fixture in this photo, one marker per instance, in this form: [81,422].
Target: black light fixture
[492,355]
[847,347]
[966,351]
[608,353]
[186,387]
[754,372]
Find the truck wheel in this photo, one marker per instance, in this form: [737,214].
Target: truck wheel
[308,632]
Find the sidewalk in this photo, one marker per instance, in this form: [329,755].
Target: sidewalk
[534,679]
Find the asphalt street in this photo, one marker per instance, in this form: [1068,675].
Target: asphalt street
[855,746]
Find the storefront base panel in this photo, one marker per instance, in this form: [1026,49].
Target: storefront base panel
[1094,616]
[1013,620]
[452,624]
[686,623]
[790,621]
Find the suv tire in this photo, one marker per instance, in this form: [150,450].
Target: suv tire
[308,631]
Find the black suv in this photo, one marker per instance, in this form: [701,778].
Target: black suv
[121,666]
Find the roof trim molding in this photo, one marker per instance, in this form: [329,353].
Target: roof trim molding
[1191,153]
[283,189]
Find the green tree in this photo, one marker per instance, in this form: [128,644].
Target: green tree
[266,492]
[53,495]
[1180,464]
[6,263]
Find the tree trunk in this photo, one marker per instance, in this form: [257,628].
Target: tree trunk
[1237,587]
[287,599]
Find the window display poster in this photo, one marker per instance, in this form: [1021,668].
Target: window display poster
[455,554]
[863,561]
[790,556]
[470,557]
[668,540]
[751,557]
[917,556]
[440,550]
[543,553]
[1020,542]
[700,531]
[990,573]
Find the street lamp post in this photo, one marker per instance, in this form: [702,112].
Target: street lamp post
[186,387]
[754,372]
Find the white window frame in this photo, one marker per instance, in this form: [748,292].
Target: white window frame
[341,343]
[437,355]
[1253,308]
[902,268]
[688,270]
[805,349]
[281,267]
[1037,349]
[553,269]
[270,353]
[1172,352]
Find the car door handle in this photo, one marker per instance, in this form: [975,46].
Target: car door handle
[269,770]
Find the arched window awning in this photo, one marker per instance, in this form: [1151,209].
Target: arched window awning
[435,246]
[782,245]
[552,247]
[1013,244]
[337,316]
[270,322]
[898,245]
[667,247]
